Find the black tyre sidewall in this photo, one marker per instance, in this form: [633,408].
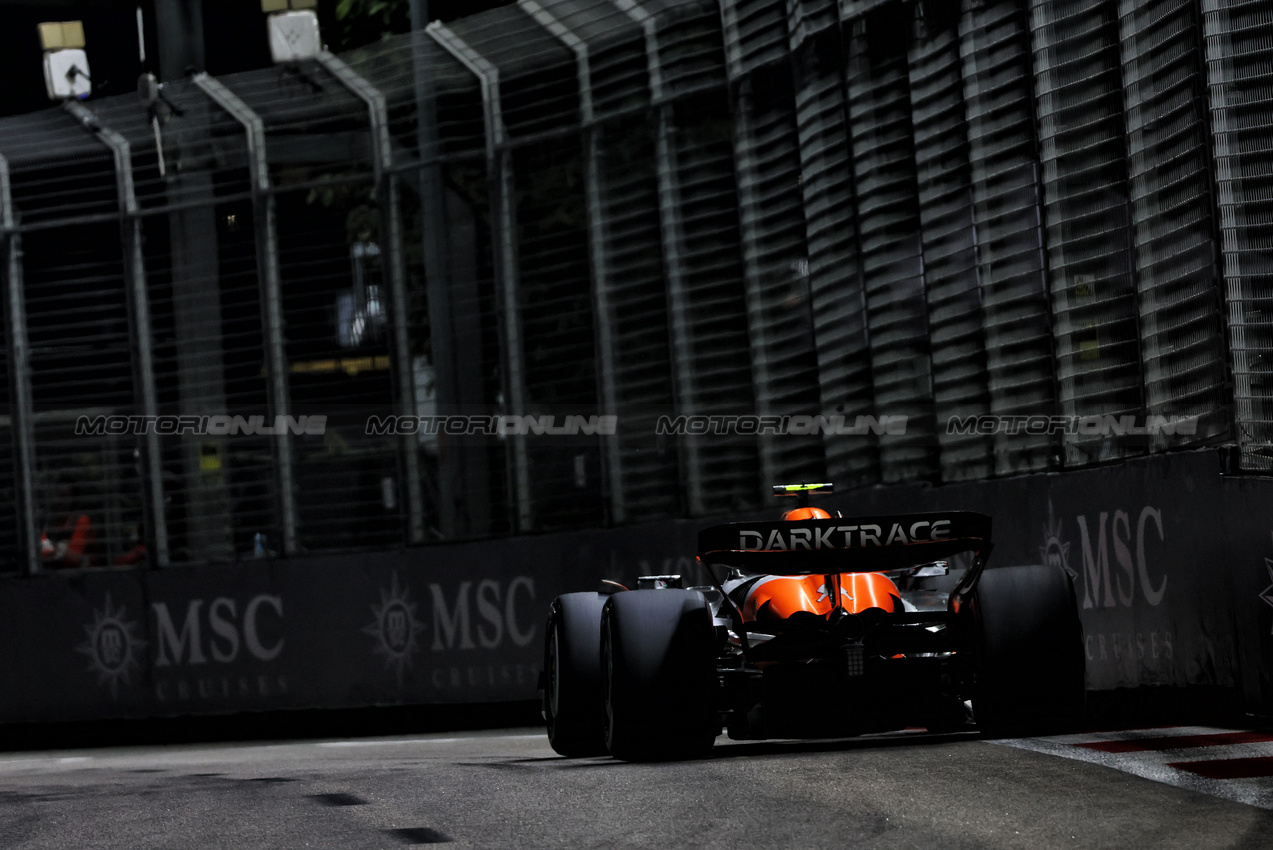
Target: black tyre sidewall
[1027,646]
[575,725]
[659,657]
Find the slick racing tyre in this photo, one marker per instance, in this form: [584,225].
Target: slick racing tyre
[1027,646]
[572,675]
[658,652]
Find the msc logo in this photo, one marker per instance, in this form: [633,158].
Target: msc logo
[230,633]
[1267,594]
[481,615]
[1055,551]
[112,647]
[1106,583]
[395,627]
[497,608]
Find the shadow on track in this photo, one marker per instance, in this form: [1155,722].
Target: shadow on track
[751,749]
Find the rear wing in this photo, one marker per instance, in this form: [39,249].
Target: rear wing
[844,545]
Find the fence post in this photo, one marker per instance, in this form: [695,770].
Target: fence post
[459,470]
[767,169]
[139,309]
[1174,254]
[391,235]
[20,417]
[1237,52]
[841,345]
[893,275]
[1087,221]
[672,234]
[507,274]
[949,248]
[271,288]
[747,178]
[1007,201]
[603,311]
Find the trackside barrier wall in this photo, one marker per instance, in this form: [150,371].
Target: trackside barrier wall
[1171,563]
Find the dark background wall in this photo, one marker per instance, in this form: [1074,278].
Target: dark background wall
[1169,559]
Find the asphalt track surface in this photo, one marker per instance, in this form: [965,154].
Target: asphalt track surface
[507,789]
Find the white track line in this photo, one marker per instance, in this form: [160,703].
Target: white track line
[1153,764]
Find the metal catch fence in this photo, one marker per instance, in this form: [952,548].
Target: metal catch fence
[393,297]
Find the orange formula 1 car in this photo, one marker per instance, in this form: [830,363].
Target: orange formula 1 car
[815,626]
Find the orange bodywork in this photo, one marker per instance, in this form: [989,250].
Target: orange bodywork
[778,597]
[805,513]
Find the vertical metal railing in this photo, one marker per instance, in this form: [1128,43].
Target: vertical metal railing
[949,243]
[271,291]
[603,312]
[672,234]
[775,257]
[504,234]
[883,164]
[185,280]
[998,110]
[456,489]
[1082,151]
[1182,338]
[994,48]
[748,176]
[1238,52]
[21,425]
[139,313]
[387,188]
[835,275]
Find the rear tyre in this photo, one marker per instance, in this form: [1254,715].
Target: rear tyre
[1027,646]
[573,701]
[658,652]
